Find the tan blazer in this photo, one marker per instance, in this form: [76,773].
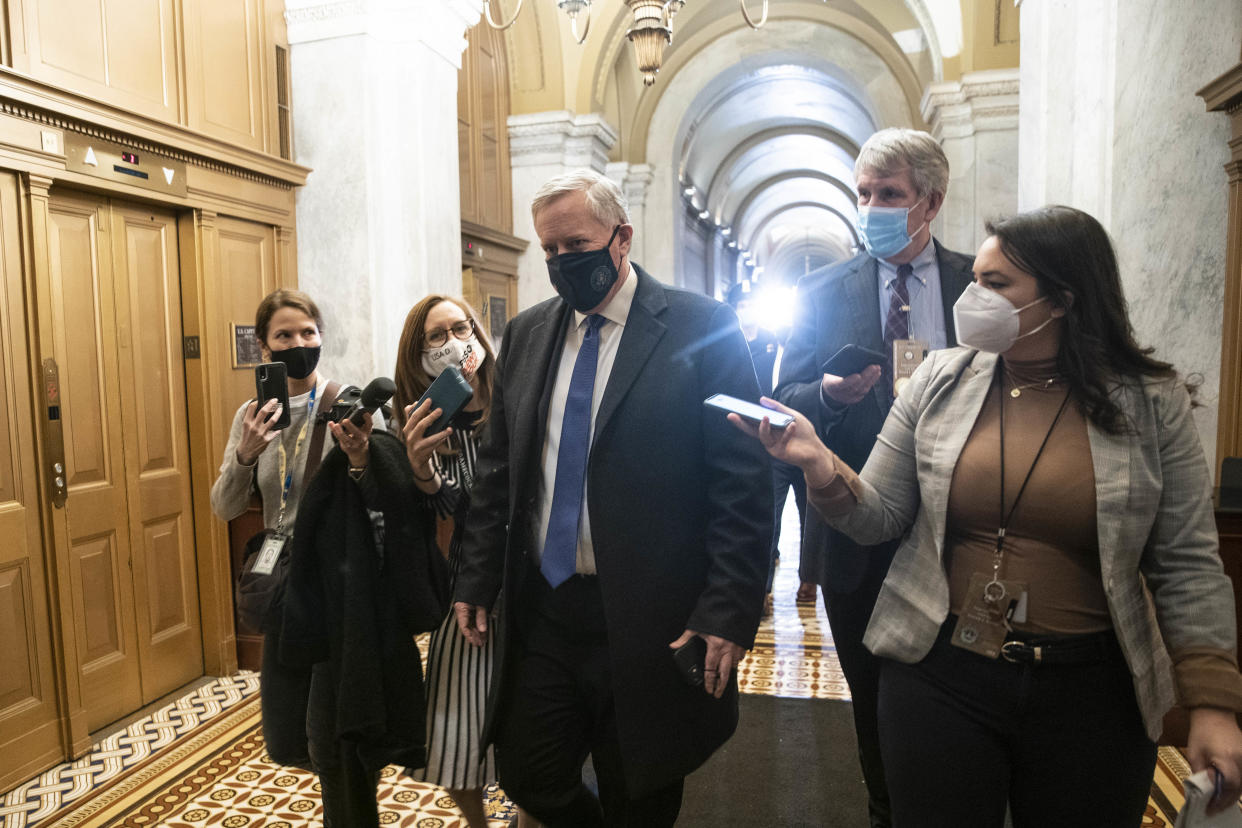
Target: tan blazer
[1159,553]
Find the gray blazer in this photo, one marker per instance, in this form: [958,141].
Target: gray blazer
[1159,553]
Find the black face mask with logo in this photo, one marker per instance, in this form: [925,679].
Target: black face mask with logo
[584,279]
[299,362]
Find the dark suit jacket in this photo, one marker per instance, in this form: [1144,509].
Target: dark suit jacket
[681,511]
[839,304]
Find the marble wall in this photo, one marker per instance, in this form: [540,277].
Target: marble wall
[375,106]
[1110,123]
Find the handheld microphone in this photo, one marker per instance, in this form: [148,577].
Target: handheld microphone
[377,392]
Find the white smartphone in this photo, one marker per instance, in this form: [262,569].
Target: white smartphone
[749,410]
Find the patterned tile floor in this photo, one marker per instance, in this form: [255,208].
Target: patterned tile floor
[199,762]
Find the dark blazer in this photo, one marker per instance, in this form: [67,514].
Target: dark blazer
[681,511]
[839,304]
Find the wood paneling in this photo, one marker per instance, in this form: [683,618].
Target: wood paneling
[227,90]
[482,131]
[124,52]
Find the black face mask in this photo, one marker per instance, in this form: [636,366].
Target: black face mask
[584,279]
[299,362]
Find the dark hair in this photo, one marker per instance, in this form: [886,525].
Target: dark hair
[412,379]
[1068,252]
[284,298]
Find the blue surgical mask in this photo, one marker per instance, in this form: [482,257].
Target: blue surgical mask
[883,229]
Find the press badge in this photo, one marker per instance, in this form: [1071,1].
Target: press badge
[908,355]
[269,554]
[984,624]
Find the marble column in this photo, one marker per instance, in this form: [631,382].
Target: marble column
[1110,123]
[975,119]
[634,180]
[543,145]
[375,117]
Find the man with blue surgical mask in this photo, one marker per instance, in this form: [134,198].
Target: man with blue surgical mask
[895,298]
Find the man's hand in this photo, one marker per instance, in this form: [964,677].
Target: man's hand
[851,389]
[472,621]
[722,657]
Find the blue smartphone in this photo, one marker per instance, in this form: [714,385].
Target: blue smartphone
[449,392]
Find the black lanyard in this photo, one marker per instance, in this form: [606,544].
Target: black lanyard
[989,591]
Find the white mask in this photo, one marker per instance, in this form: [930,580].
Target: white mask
[466,354]
[987,321]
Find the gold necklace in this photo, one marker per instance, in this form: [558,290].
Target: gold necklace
[1016,391]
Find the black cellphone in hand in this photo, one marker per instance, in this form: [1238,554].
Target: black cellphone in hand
[690,659]
[271,382]
[852,359]
[450,392]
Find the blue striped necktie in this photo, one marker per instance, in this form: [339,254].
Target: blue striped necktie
[560,546]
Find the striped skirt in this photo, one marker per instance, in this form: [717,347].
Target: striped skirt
[458,676]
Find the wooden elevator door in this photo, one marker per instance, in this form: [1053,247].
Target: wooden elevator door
[115,317]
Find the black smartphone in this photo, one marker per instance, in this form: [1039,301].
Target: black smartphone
[450,392]
[851,359]
[748,410]
[690,659]
[272,382]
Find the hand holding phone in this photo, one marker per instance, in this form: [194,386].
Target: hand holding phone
[272,383]
[690,659]
[449,392]
[749,410]
[850,360]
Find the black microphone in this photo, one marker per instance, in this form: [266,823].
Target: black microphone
[377,392]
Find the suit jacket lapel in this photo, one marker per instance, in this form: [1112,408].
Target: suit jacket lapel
[863,294]
[642,331]
[1110,459]
[547,339]
[953,280]
[958,420]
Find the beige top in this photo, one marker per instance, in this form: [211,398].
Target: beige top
[1051,542]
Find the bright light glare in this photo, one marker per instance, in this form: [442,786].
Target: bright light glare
[946,18]
[775,306]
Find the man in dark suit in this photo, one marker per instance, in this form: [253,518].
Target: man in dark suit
[619,519]
[896,299]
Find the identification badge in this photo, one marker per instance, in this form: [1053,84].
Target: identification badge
[908,355]
[984,623]
[269,554]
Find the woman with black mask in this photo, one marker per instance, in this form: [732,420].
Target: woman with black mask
[289,328]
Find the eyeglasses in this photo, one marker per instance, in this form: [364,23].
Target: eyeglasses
[461,330]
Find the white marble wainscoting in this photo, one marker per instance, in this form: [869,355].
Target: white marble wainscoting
[1110,123]
[379,224]
[543,145]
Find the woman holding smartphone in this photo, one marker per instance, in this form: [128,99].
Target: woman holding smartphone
[440,331]
[273,461]
[1058,585]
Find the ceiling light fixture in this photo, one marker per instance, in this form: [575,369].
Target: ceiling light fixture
[651,32]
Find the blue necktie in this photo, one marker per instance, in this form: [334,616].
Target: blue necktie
[560,546]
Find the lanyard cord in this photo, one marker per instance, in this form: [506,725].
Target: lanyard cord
[286,473]
[994,590]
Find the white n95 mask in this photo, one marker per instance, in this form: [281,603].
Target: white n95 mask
[987,321]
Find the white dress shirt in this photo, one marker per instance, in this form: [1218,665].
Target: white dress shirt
[615,312]
[926,308]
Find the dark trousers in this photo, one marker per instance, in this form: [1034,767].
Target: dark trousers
[964,736]
[784,477]
[348,787]
[560,709]
[848,615]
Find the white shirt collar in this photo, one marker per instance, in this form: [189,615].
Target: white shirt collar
[618,309]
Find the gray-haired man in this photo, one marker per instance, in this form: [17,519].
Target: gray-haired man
[896,298]
[619,519]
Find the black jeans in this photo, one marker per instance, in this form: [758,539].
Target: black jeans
[560,708]
[964,736]
[348,787]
